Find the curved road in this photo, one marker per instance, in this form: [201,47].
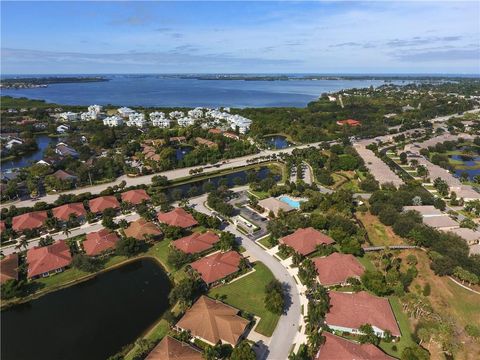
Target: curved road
[284,335]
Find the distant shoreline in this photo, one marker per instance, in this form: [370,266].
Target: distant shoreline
[43,82]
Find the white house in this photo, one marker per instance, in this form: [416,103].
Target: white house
[113,121]
[159,119]
[196,113]
[136,119]
[61,129]
[12,142]
[68,116]
[185,121]
[176,114]
[96,109]
[125,112]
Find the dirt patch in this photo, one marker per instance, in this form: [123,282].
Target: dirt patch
[379,234]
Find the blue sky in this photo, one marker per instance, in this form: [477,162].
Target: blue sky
[240,37]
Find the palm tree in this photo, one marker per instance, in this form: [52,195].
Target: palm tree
[22,242]
[66,232]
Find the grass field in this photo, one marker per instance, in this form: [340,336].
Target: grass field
[155,334]
[248,294]
[379,234]
[265,242]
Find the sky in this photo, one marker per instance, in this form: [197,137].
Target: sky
[73,37]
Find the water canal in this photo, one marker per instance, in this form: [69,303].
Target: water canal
[91,320]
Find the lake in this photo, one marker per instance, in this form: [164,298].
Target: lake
[156,90]
[43,141]
[471,164]
[91,320]
[277,142]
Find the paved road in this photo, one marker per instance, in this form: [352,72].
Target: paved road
[286,330]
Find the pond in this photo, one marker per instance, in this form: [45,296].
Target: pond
[469,164]
[229,180]
[277,142]
[43,141]
[181,151]
[91,320]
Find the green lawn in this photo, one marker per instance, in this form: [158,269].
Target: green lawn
[265,242]
[62,278]
[248,294]
[281,256]
[365,261]
[406,339]
[155,334]
[160,251]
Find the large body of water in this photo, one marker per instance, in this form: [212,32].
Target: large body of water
[154,90]
[92,320]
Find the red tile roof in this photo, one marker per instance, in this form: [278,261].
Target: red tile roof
[102,203]
[337,348]
[172,349]
[215,131]
[135,196]
[3,227]
[349,122]
[48,258]
[140,228]
[177,217]
[31,220]
[305,241]
[196,242]
[100,241]
[336,268]
[9,268]
[217,266]
[354,310]
[63,212]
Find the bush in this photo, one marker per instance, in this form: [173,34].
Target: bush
[127,247]
[86,263]
[274,297]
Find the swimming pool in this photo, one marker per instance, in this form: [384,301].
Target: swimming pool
[293,203]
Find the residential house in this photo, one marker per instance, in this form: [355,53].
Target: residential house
[29,221]
[113,121]
[177,217]
[231,135]
[68,116]
[349,122]
[100,204]
[470,236]
[64,176]
[64,150]
[444,222]
[9,268]
[12,142]
[274,205]
[135,197]
[48,260]
[424,210]
[217,266]
[185,121]
[178,139]
[305,241]
[213,321]
[336,268]
[64,212]
[61,129]
[196,243]
[465,192]
[205,142]
[196,113]
[125,112]
[338,348]
[215,131]
[96,109]
[176,114]
[349,311]
[3,226]
[100,242]
[136,119]
[158,119]
[142,229]
[172,349]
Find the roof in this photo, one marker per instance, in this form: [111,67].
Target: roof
[48,258]
[274,205]
[135,196]
[212,321]
[99,242]
[468,235]
[217,266]
[349,122]
[3,227]
[305,241]
[9,268]
[63,212]
[424,210]
[196,242]
[352,310]
[215,131]
[102,203]
[32,220]
[337,268]
[439,222]
[336,348]
[177,217]
[141,227]
[63,175]
[172,349]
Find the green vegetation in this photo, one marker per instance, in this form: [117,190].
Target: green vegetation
[248,294]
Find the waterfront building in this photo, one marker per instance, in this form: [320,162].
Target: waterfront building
[125,112]
[136,119]
[113,121]
[48,260]
[185,121]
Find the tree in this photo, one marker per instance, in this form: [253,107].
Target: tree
[274,297]
[12,288]
[243,351]
[186,292]
[177,258]
[441,186]
[127,246]
[227,241]
[368,335]
[45,241]
[85,263]
[415,353]
[66,232]
[403,158]
[22,242]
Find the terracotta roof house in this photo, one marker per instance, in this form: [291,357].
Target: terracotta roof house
[274,205]
[3,227]
[177,217]
[100,242]
[142,229]
[338,348]
[349,122]
[443,222]
[217,266]
[32,220]
[215,131]
[349,311]
[102,203]
[231,135]
[47,260]
[305,241]
[65,176]
[205,142]
[63,212]
[213,321]
[135,197]
[9,268]
[196,243]
[336,268]
[172,349]
[470,236]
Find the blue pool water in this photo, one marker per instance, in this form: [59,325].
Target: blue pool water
[293,203]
